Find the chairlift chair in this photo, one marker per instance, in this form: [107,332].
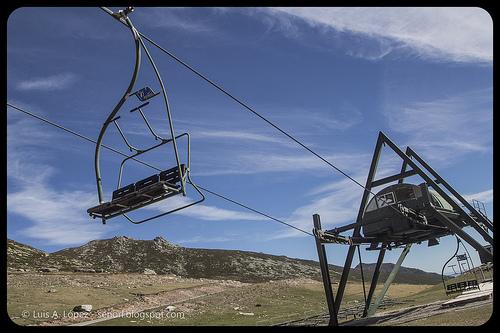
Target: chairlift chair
[460,281]
[159,186]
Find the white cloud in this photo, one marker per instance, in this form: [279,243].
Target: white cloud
[26,133]
[339,116]
[202,239]
[215,131]
[211,213]
[445,129]
[49,83]
[272,162]
[458,34]
[237,135]
[484,196]
[337,207]
[203,211]
[58,216]
[338,202]
[174,18]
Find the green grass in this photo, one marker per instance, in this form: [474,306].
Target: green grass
[29,292]
[276,304]
[271,303]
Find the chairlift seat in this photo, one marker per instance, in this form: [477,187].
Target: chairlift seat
[461,286]
[144,192]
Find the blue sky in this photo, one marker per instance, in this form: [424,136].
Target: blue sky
[333,77]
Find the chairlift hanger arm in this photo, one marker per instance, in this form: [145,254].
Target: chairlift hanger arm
[118,106]
[167,106]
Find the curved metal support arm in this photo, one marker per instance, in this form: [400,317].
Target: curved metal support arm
[167,106]
[446,263]
[117,107]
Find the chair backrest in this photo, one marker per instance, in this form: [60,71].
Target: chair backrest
[146,182]
[172,175]
[123,191]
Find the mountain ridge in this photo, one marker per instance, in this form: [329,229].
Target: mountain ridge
[122,254]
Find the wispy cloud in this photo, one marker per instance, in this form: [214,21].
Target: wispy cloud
[273,162]
[211,213]
[447,128]
[213,131]
[337,202]
[251,151]
[202,239]
[26,133]
[458,34]
[236,135]
[484,196]
[203,211]
[49,83]
[341,116]
[58,217]
[335,208]
[174,18]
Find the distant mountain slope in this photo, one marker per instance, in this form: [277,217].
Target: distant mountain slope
[124,254]
[23,256]
[405,274]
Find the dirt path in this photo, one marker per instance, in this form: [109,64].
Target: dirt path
[145,303]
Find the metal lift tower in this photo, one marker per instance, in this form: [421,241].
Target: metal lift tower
[399,216]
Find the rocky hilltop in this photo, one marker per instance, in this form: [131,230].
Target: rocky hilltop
[125,254]
[159,256]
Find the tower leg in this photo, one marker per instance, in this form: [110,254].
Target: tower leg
[325,274]
[373,285]
[373,307]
